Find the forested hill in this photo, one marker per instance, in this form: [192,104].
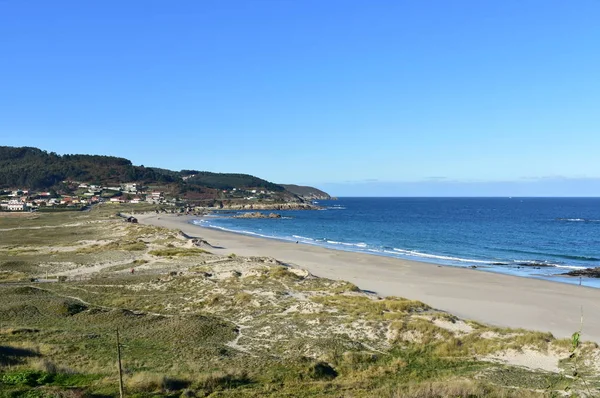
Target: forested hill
[32,168]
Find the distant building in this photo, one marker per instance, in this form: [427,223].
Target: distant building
[16,205]
[130,187]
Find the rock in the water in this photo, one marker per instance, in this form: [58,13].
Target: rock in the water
[258,215]
[588,272]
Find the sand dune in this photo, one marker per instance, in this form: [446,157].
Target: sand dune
[496,299]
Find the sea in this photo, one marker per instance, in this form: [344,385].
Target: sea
[528,237]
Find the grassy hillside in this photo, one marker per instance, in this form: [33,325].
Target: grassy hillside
[196,324]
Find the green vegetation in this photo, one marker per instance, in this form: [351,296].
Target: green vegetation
[306,192]
[33,168]
[230,181]
[177,252]
[196,324]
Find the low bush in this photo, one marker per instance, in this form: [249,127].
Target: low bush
[177,252]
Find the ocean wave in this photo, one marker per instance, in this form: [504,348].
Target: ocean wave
[396,252]
[206,224]
[336,208]
[303,238]
[570,266]
[333,242]
[555,255]
[534,263]
[438,257]
[577,220]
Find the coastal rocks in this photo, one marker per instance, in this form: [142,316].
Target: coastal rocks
[267,206]
[587,272]
[258,215]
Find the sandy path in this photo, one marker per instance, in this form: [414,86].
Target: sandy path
[496,299]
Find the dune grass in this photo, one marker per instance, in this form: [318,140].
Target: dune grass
[178,252]
[193,324]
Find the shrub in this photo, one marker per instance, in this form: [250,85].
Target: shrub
[223,380]
[146,381]
[30,378]
[172,252]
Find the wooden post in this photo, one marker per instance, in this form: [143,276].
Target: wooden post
[121,392]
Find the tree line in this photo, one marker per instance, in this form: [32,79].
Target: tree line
[33,168]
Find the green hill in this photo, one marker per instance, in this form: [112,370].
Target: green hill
[33,168]
[306,192]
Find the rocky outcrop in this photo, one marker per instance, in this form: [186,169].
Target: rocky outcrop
[258,215]
[268,206]
[587,272]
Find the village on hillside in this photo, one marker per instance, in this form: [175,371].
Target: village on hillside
[81,194]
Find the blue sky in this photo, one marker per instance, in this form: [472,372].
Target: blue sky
[353,96]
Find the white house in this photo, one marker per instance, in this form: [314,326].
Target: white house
[130,187]
[16,205]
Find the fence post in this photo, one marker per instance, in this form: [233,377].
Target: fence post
[121,392]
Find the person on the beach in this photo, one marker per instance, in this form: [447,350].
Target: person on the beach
[132,271]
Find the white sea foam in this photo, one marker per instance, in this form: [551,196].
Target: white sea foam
[570,266]
[303,238]
[448,258]
[333,242]
[578,220]
[394,252]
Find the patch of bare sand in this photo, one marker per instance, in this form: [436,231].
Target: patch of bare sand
[457,327]
[529,358]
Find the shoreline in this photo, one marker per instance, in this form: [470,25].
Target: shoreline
[479,264]
[488,297]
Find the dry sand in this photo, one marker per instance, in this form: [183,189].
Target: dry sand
[491,298]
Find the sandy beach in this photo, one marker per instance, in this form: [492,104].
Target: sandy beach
[491,298]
